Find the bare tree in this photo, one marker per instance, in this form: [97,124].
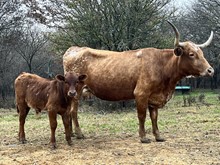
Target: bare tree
[10,21]
[30,45]
[21,48]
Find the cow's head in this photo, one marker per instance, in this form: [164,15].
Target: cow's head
[72,81]
[192,60]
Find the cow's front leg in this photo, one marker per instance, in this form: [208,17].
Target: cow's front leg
[66,123]
[153,116]
[53,125]
[74,115]
[141,110]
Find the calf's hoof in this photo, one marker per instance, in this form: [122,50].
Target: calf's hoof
[79,134]
[145,140]
[53,146]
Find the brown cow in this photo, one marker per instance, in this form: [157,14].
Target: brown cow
[56,95]
[147,75]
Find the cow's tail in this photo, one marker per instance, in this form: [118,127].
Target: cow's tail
[17,109]
[15,102]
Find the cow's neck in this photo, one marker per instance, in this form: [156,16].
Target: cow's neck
[172,70]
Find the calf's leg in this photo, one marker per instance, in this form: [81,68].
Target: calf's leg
[53,125]
[66,124]
[74,115]
[71,126]
[23,111]
[153,116]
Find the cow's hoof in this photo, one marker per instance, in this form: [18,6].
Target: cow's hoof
[22,140]
[160,139]
[78,136]
[73,134]
[145,140]
[70,142]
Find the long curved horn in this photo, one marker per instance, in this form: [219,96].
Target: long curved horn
[207,42]
[177,39]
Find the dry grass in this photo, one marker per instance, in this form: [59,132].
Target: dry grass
[192,137]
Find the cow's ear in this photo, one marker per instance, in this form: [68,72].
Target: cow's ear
[82,77]
[60,77]
[178,51]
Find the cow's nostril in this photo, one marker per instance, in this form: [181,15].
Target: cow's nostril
[210,71]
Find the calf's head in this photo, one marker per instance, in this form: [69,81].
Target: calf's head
[192,60]
[71,80]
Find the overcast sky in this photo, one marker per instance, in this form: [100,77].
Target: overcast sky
[184,3]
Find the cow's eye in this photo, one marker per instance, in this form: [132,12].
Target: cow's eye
[191,55]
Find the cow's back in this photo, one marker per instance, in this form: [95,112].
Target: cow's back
[32,90]
[115,73]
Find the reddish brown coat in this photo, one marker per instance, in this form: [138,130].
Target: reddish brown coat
[33,91]
[147,75]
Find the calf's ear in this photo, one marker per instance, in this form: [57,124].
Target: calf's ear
[60,77]
[82,77]
[178,51]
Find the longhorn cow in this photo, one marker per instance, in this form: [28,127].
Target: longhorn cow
[148,75]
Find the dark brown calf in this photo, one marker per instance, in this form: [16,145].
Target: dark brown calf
[32,91]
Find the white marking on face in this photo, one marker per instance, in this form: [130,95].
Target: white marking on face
[139,53]
[195,47]
[73,52]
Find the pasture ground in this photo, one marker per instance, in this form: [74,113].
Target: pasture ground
[192,136]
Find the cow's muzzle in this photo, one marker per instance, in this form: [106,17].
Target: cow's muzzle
[209,72]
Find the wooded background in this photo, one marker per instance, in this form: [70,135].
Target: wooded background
[35,34]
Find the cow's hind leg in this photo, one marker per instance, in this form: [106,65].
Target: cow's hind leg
[23,112]
[66,124]
[74,115]
[53,125]
[153,116]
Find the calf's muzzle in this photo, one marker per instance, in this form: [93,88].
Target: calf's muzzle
[72,93]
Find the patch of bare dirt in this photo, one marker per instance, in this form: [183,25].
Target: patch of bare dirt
[124,149]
